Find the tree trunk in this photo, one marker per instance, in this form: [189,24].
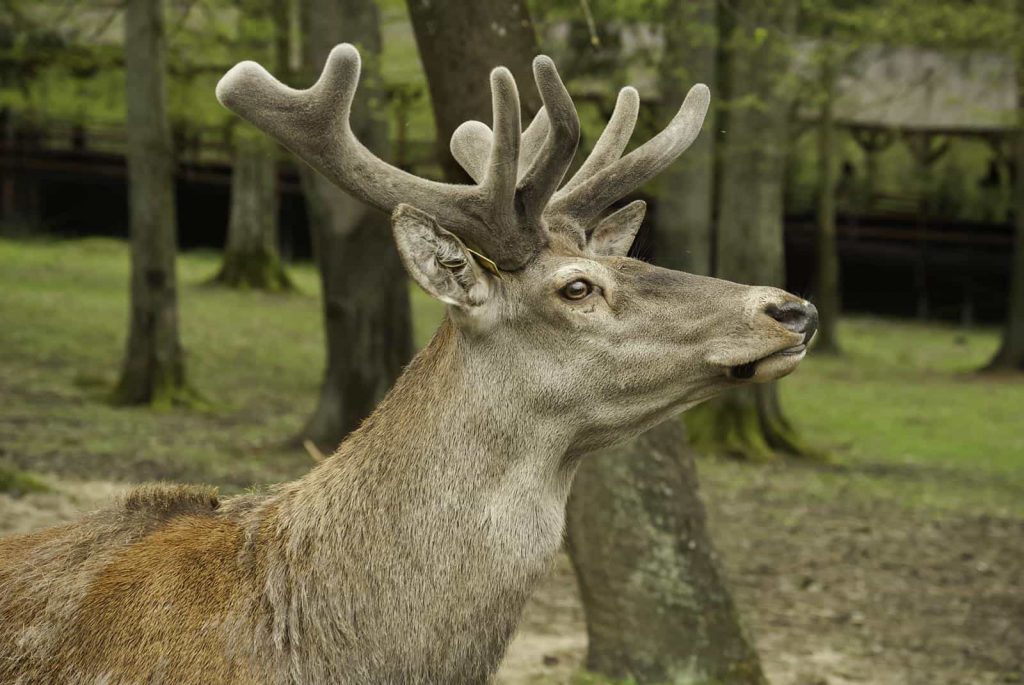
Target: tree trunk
[153,370]
[827,294]
[365,291]
[656,604]
[683,228]
[251,259]
[459,44]
[1011,352]
[366,310]
[748,422]
[631,632]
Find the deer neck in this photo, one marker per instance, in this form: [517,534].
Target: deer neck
[436,516]
[458,428]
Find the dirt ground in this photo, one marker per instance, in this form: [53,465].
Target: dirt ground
[849,589]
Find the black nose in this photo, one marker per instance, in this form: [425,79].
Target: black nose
[799,317]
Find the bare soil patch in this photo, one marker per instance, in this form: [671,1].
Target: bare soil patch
[845,589]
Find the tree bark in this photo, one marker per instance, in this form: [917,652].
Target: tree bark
[365,295]
[683,228]
[366,310]
[154,369]
[748,422]
[750,210]
[459,44]
[656,603]
[251,259]
[1011,351]
[827,293]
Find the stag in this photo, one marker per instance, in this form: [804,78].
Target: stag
[407,556]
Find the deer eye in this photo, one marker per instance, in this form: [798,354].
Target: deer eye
[577,290]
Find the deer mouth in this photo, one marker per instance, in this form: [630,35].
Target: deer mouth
[769,367]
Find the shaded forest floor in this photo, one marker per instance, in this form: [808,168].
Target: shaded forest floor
[902,562]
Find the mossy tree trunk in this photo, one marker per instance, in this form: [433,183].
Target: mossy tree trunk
[251,258]
[657,607]
[683,228]
[826,277]
[154,370]
[749,422]
[365,291]
[1011,351]
[459,44]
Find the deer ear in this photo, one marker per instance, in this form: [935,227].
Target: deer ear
[437,260]
[614,235]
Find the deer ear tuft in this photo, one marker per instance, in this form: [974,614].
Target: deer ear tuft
[437,260]
[615,234]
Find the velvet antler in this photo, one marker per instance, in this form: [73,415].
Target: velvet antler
[500,216]
[606,176]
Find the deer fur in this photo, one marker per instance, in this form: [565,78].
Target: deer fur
[408,555]
[405,557]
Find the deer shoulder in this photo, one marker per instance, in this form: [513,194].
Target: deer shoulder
[112,597]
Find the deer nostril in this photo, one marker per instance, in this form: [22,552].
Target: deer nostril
[799,317]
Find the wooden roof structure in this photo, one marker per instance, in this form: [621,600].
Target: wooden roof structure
[928,91]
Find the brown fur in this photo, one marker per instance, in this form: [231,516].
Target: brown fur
[115,596]
[407,556]
[357,573]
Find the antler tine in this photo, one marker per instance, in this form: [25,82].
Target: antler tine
[533,140]
[314,124]
[500,179]
[591,197]
[549,165]
[472,140]
[613,139]
[470,145]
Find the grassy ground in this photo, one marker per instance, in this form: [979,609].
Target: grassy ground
[905,413]
[255,358]
[901,411]
[900,562]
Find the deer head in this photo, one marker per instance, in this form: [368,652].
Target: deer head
[534,271]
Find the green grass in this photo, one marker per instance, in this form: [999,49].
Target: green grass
[902,412]
[905,409]
[256,358]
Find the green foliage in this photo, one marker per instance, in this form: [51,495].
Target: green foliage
[952,191]
[840,29]
[950,24]
[64,61]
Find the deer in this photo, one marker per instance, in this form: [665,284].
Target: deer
[408,554]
